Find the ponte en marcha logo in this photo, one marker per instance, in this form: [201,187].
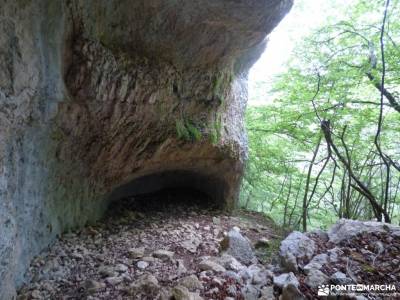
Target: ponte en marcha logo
[341,289]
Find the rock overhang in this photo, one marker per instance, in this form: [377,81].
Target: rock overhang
[189,34]
[194,59]
[97,94]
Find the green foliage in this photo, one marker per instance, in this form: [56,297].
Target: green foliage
[181,131]
[194,132]
[215,131]
[328,74]
[186,130]
[220,81]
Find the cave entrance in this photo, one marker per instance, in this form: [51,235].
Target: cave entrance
[169,191]
[171,201]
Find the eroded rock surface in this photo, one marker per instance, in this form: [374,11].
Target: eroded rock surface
[97,95]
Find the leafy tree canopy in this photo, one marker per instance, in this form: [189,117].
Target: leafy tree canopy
[335,76]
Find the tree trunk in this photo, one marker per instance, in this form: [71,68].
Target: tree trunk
[305,198]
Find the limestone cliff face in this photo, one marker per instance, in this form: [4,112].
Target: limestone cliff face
[101,99]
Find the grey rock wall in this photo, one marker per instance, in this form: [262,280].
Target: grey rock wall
[97,95]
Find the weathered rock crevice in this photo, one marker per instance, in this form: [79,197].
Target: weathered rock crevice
[95,95]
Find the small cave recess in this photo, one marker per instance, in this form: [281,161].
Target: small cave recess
[166,190]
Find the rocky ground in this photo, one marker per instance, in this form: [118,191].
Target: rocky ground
[151,249]
[350,253]
[182,249]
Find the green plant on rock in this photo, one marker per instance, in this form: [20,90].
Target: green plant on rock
[215,131]
[181,130]
[187,130]
[221,80]
[194,132]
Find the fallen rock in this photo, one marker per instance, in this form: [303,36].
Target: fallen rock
[209,265]
[239,247]
[136,252]
[295,248]
[115,280]
[182,293]
[334,254]
[121,268]
[340,278]
[142,264]
[250,292]
[216,221]
[181,267]
[163,254]
[252,270]
[245,274]
[316,263]
[229,262]
[93,286]
[284,279]
[267,293]
[191,245]
[36,294]
[289,262]
[165,293]
[345,229]
[291,292]
[149,259]
[146,283]
[191,282]
[315,278]
[236,228]
[261,277]
[232,275]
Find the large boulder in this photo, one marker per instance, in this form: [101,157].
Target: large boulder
[340,278]
[316,278]
[104,99]
[238,246]
[296,249]
[284,279]
[345,229]
[317,262]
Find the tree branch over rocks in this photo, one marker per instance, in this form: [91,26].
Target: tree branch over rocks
[359,185]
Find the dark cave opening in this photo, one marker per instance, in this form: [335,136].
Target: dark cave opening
[166,190]
[171,201]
